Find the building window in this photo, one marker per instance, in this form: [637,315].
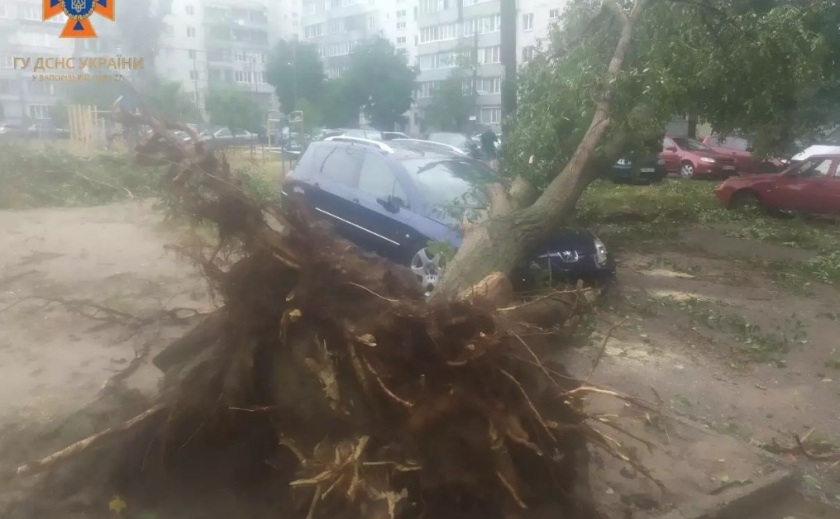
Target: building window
[39,111]
[489,85]
[528,22]
[400,25]
[193,75]
[336,26]
[401,40]
[401,13]
[483,25]
[313,31]
[241,76]
[191,54]
[240,56]
[42,88]
[473,2]
[30,12]
[190,9]
[427,89]
[554,14]
[489,55]
[490,115]
[528,53]
[438,33]
[190,32]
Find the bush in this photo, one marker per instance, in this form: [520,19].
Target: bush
[36,178]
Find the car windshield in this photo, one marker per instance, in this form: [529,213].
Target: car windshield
[451,188]
[690,144]
[453,139]
[736,143]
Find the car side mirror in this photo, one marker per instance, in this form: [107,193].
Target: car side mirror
[391,204]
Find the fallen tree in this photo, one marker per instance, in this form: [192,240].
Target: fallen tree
[327,386]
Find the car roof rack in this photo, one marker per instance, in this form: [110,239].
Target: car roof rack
[433,144]
[358,140]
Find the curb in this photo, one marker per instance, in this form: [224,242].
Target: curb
[738,502]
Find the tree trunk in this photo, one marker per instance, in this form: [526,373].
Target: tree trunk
[506,237]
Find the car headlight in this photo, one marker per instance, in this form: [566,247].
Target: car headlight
[660,162]
[600,252]
[623,162]
[707,159]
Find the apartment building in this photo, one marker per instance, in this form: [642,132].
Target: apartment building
[336,27]
[182,55]
[23,34]
[449,29]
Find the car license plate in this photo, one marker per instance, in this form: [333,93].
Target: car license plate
[648,170]
[729,167]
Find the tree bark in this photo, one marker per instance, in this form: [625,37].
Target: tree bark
[506,237]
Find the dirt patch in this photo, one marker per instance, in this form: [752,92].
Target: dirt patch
[720,343]
[55,356]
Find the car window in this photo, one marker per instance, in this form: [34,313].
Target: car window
[223,133]
[815,168]
[690,144]
[668,143]
[341,166]
[377,179]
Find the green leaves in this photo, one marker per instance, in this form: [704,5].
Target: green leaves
[231,107]
[295,71]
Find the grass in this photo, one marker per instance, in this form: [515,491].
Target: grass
[645,216]
[751,342]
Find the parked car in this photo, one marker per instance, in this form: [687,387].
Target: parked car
[47,130]
[741,151]
[463,142]
[223,137]
[810,186]
[359,133]
[818,149]
[691,158]
[389,136]
[392,199]
[11,131]
[641,168]
[423,145]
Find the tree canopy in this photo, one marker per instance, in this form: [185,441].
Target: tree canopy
[141,25]
[759,72]
[451,106]
[295,71]
[379,80]
[168,97]
[232,108]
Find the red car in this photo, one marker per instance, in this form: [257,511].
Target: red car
[739,149]
[691,158]
[811,186]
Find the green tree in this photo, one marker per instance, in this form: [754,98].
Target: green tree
[615,72]
[449,109]
[169,99]
[451,104]
[295,71]
[231,107]
[141,25]
[381,83]
[339,105]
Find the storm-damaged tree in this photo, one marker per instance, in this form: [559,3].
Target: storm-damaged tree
[615,73]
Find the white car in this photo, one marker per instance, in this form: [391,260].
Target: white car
[819,149]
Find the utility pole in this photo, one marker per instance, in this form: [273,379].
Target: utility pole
[475,76]
[195,81]
[507,53]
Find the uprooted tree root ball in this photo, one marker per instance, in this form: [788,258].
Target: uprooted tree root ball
[327,386]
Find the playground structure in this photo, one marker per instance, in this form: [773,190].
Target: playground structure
[94,128]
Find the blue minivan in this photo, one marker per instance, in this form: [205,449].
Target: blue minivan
[394,198]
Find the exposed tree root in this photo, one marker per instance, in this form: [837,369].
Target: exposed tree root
[328,387]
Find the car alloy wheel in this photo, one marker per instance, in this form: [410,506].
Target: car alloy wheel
[428,268]
[687,170]
[745,200]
